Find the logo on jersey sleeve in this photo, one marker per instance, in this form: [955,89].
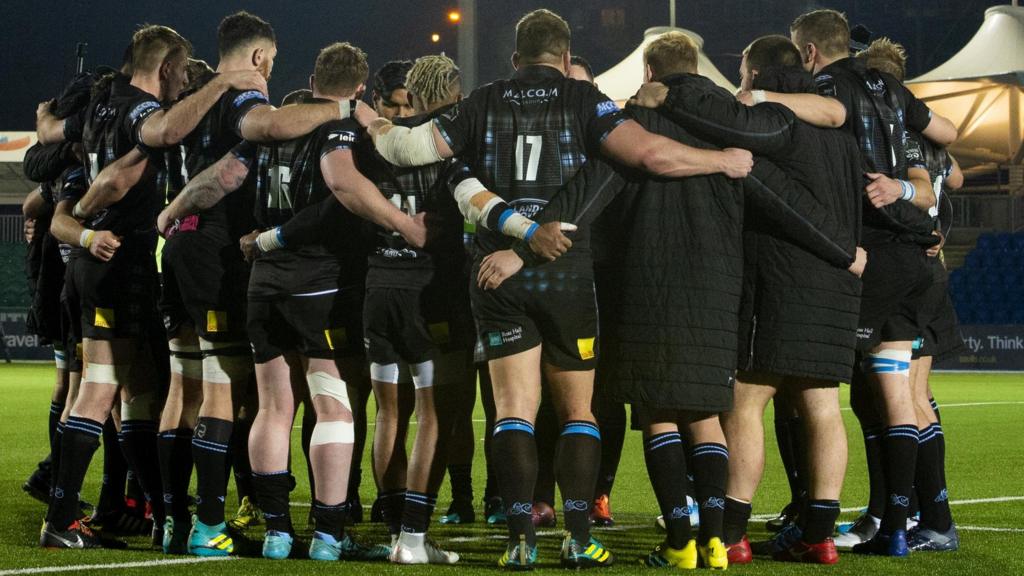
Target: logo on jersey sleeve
[342,139]
[247,96]
[142,110]
[825,84]
[606,108]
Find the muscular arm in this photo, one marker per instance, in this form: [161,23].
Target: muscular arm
[114,181]
[169,126]
[631,145]
[64,226]
[49,128]
[815,110]
[924,198]
[34,205]
[208,188]
[404,146]
[269,124]
[940,130]
[955,180]
[359,195]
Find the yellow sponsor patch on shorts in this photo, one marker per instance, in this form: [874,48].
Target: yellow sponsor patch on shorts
[440,333]
[216,321]
[336,337]
[586,347]
[104,318]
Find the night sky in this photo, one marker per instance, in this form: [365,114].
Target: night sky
[38,38]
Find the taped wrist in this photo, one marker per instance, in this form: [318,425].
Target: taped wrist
[514,224]
[404,146]
[908,189]
[270,240]
[86,237]
[758,96]
[346,108]
[78,212]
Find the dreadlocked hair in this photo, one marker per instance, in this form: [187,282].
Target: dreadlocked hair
[433,78]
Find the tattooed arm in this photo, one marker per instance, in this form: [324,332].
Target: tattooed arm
[206,189]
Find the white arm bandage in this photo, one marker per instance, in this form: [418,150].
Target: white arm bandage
[403,146]
[464,193]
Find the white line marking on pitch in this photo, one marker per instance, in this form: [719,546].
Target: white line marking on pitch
[760,517]
[988,529]
[963,404]
[141,564]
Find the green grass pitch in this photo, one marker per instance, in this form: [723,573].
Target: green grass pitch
[982,417]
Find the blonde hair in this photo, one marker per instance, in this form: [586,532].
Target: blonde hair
[433,79]
[671,53]
[886,56]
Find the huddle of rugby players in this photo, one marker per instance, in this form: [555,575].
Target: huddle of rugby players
[741,248]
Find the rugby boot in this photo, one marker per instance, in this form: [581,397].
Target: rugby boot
[894,545]
[862,530]
[352,549]
[923,539]
[414,548]
[206,540]
[248,515]
[786,516]
[519,556]
[76,536]
[601,512]
[740,552]
[494,511]
[324,547]
[664,556]
[459,512]
[174,541]
[713,555]
[588,555]
[820,553]
[277,545]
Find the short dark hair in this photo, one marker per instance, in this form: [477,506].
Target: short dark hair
[152,45]
[828,30]
[390,77]
[773,50]
[340,69]
[582,63]
[542,33]
[672,53]
[241,28]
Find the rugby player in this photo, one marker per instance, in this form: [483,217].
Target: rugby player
[205,275]
[524,138]
[896,232]
[940,337]
[777,357]
[115,291]
[304,302]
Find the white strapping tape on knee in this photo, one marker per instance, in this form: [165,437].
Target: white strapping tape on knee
[386,373]
[336,432]
[224,369]
[322,383]
[422,374]
[113,374]
[191,368]
[889,361]
[140,407]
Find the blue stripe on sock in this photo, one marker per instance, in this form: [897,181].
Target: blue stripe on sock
[708,449]
[660,440]
[513,425]
[584,428]
[269,474]
[84,425]
[211,446]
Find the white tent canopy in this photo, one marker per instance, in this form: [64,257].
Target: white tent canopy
[621,81]
[980,90]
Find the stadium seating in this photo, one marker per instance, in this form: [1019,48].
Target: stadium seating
[989,288]
[13,282]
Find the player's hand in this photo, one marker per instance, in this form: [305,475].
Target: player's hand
[29,229]
[650,95]
[934,250]
[104,244]
[745,97]
[245,80]
[549,242]
[415,231]
[43,111]
[364,114]
[163,223]
[736,162]
[859,262]
[882,190]
[498,267]
[247,244]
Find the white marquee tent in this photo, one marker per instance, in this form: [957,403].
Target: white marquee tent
[621,81]
[980,90]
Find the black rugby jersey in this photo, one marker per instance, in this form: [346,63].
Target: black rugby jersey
[112,129]
[526,137]
[217,133]
[289,181]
